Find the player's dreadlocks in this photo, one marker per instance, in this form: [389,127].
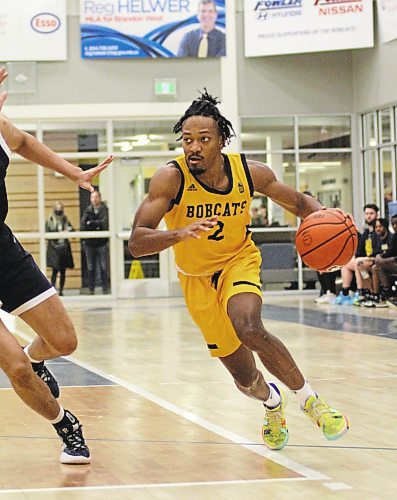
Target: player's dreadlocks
[206,105]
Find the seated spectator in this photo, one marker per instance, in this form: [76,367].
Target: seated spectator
[368,247]
[383,270]
[365,267]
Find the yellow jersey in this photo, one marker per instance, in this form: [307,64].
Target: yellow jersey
[195,200]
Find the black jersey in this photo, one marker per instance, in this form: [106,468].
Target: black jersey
[5,155]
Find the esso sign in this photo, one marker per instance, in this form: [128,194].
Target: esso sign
[45,22]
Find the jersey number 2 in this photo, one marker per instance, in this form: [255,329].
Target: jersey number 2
[217,236]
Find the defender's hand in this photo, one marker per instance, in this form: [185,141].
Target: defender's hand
[84,180]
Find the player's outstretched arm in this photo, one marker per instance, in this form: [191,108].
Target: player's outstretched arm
[33,150]
[145,238]
[265,182]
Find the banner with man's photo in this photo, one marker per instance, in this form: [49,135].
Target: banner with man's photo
[115,29]
[387,20]
[33,30]
[274,27]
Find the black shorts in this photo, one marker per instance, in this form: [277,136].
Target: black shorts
[22,284]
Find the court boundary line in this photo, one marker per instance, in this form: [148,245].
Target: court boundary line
[276,457]
[151,485]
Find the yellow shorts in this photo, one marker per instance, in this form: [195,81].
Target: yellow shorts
[207,297]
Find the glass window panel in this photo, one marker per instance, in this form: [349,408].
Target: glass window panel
[77,278]
[147,135]
[144,267]
[370,177]
[22,189]
[132,180]
[384,125]
[75,137]
[387,168]
[58,188]
[283,165]
[329,177]
[369,135]
[317,132]
[261,133]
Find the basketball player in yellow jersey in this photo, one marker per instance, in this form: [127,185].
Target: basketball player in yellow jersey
[205,197]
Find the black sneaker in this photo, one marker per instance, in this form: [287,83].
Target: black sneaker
[74,449]
[47,377]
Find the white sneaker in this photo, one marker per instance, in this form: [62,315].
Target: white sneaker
[326,298]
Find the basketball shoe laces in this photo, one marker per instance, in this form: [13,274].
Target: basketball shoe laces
[322,412]
[274,420]
[72,436]
[47,377]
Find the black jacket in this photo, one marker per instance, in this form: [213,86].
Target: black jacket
[91,221]
[392,250]
[59,252]
[375,241]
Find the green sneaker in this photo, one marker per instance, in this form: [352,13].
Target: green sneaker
[274,429]
[331,421]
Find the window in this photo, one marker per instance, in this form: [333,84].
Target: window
[378,149]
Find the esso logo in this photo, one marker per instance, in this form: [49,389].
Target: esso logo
[45,23]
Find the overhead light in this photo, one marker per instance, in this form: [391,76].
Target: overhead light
[141,140]
[320,163]
[126,146]
[311,167]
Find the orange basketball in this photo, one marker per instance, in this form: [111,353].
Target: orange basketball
[326,239]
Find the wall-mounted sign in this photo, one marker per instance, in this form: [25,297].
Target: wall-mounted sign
[152,28]
[275,27]
[33,30]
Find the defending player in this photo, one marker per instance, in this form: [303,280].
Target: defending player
[26,292]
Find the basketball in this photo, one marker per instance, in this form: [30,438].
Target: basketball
[326,240]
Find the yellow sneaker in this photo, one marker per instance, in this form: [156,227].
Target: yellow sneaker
[331,421]
[274,429]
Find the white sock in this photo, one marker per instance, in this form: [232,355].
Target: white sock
[59,417]
[304,393]
[32,360]
[274,397]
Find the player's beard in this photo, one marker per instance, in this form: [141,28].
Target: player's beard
[197,171]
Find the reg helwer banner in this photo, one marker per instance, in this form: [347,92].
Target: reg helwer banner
[115,29]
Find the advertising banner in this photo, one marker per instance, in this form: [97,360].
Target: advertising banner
[33,30]
[387,20]
[152,28]
[275,27]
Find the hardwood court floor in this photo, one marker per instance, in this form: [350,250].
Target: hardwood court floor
[164,420]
